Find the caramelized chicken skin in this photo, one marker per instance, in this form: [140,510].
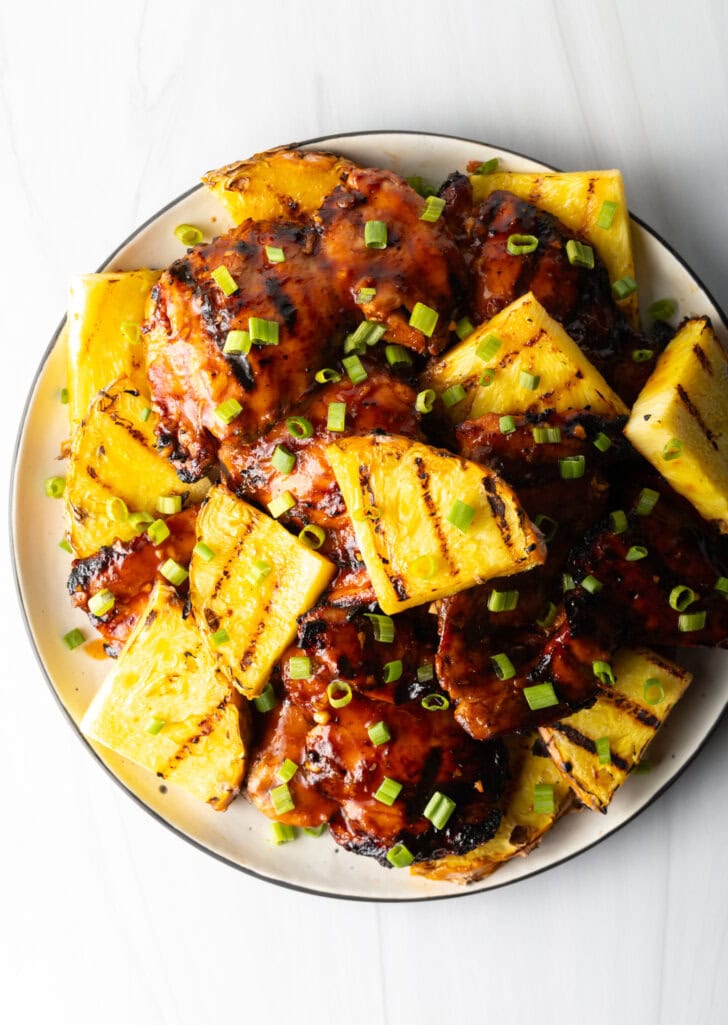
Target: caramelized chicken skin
[128,569]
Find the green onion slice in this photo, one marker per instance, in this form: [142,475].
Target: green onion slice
[283,460]
[259,570]
[375,235]
[63,543]
[425,672]
[439,809]
[157,532]
[282,833]
[606,214]
[237,342]
[156,726]
[682,597]
[204,551]
[502,601]
[336,420]
[425,401]
[624,287]
[721,585]
[653,691]
[548,617]
[488,347]
[672,450]
[287,770]
[367,333]
[64,396]
[355,369]
[267,699]
[168,505]
[265,332]
[663,309]
[618,521]
[275,254]
[397,356]
[507,424]
[388,791]
[393,671]
[690,622]
[461,515]
[642,355]
[540,695]
[117,510]
[281,504]
[423,318]
[225,281]
[73,639]
[604,672]
[604,750]
[339,693]
[55,486]
[228,411]
[299,427]
[602,442]
[315,830]
[521,245]
[145,414]
[464,328]
[299,667]
[487,378]
[101,603]
[383,627]
[364,296]
[544,802]
[131,331]
[635,553]
[572,467]
[281,799]
[425,567]
[591,584]
[488,166]
[547,435]
[219,637]
[312,536]
[435,703]
[504,668]
[327,376]
[433,209]
[567,582]
[452,395]
[173,572]
[400,856]
[646,501]
[529,381]
[579,254]
[379,733]
[188,234]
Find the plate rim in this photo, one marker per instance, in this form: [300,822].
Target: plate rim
[464,891]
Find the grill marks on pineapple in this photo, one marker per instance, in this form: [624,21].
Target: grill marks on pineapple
[697,417]
[424,479]
[631,708]
[203,728]
[580,739]
[702,359]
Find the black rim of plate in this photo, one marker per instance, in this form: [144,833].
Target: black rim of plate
[464,891]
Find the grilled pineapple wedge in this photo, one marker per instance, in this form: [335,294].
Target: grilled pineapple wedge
[680,419]
[405,499]
[624,715]
[278,183]
[166,706]
[99,351]
[521,828]
[531,342]
[248,595]
[577,199]
[114,455]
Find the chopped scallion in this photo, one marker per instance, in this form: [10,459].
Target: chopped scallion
[529,381]
[435,703]
[339,693]
[228,411]
[397,356]
[433,209]
[604,672]
[425,401]
[579,254]
[591,584]
[603,750]
[424,318]
[299,427]
[281,504]
[682,597]
[283,460]
[173,572]
[618,521]
[721,585]
[672,450]
[425,672]
[452,395]
[383,627]
[635,553]
[65,396]
[507,424]
[315,830]
[282,833]
[299,667]
[425,567]
[281,799]
[547,435]
[488,166]
[237,342]
[504,668]
[73,639]
[521,245]
[157,532]
[400,856]
[572,467]
[168,505]
[392,671]
[606,214]
[439,809]
[55,486]
[264,332]
[544,801]
[275,254]
[116,510]
[653,691]
[375,235]
[461,515]
[101,603]
[488,347]
[502,601]
[364,296]
[690,622]
[540,695]
[267,699]
[602,442]
[204,551]
[336,420]
[379,733]
[646,501]
[663,309]
[327,376]
[156,726]
[287,770]
[624,287]
[63,543]
[388,791]
[259,570]
[464,328]
[354,369]
[225,281]
[547,525]
[312,536]
[548,617]
[642,355]
[219,637]
[188,235]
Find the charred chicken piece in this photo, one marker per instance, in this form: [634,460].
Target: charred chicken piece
[191,317]
[420,264]
[579,297]
[380,403]
[128,569]
[638,570]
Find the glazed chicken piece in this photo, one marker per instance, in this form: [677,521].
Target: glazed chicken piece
[471,634]
[639,568]
[580,298]
[380,403]
[128,569]
[191,316]
[420,264]
[341,769]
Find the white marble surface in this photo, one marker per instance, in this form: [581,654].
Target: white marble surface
[106,111]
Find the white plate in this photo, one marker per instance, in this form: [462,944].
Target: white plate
[241,836]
